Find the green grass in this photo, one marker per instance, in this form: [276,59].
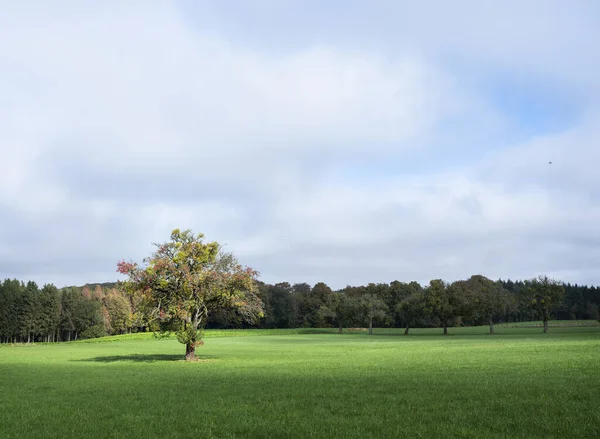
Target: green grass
[211,333]
[309,384]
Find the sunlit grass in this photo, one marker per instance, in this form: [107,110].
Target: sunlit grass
[212,333]
[517,383]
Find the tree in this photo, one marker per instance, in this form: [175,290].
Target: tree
[443,301]
[310,303]
[411,308]
[184,280]
[278,305]
[11,309]
[544,295]
[340,307]
[396,293]
[80,313]
[389,297]
[372,308]
[591,311]
[50,312]
[118,310]
[137,321]
[85,314]
[98,293]
[489,299]
[30,311]
[299,292]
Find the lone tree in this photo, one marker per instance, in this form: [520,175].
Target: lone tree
[544,295]
[184,280]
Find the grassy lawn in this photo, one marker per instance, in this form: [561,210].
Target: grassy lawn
[309,383]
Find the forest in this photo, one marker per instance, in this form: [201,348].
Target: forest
[29,313]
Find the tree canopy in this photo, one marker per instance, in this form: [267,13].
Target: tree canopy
[543,295]
[185,280]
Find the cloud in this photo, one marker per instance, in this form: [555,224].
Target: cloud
[512,215]
[324,161]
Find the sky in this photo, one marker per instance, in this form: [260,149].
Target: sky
[343,142]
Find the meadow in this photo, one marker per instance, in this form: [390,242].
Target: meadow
[519,383]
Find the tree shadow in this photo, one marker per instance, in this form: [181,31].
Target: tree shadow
[143,358]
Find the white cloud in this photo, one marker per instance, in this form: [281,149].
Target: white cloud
[150,85]
[512,215]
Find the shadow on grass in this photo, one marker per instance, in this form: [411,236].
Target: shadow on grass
[143,358]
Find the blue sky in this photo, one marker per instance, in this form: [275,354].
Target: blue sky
[345,142]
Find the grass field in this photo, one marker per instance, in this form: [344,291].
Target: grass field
[309,384]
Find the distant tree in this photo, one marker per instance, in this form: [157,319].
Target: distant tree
[591,311]
[372,308]
[396,293]
[340,308]
[79,313]
[184,280]
[411,308]
[67,304]
[118,312]
[389,296]
[30,311]
[98,293]
[49,322]
[301,288]
[278,304]
[310,303]
[444,301]
[544,296]
[5,308]
[299,292]
[321,292]
[11,305]
[137,320]
[86,314]
[488,298]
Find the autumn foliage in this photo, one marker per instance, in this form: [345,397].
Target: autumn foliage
[185,280]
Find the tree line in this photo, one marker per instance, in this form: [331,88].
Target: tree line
[48,314]
[29,313]
[474,301]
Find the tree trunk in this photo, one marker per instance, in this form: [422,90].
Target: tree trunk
[445,328]
[545,324]
[407,328]
[340,329]
[370,326]
[190,352]
[491,326]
